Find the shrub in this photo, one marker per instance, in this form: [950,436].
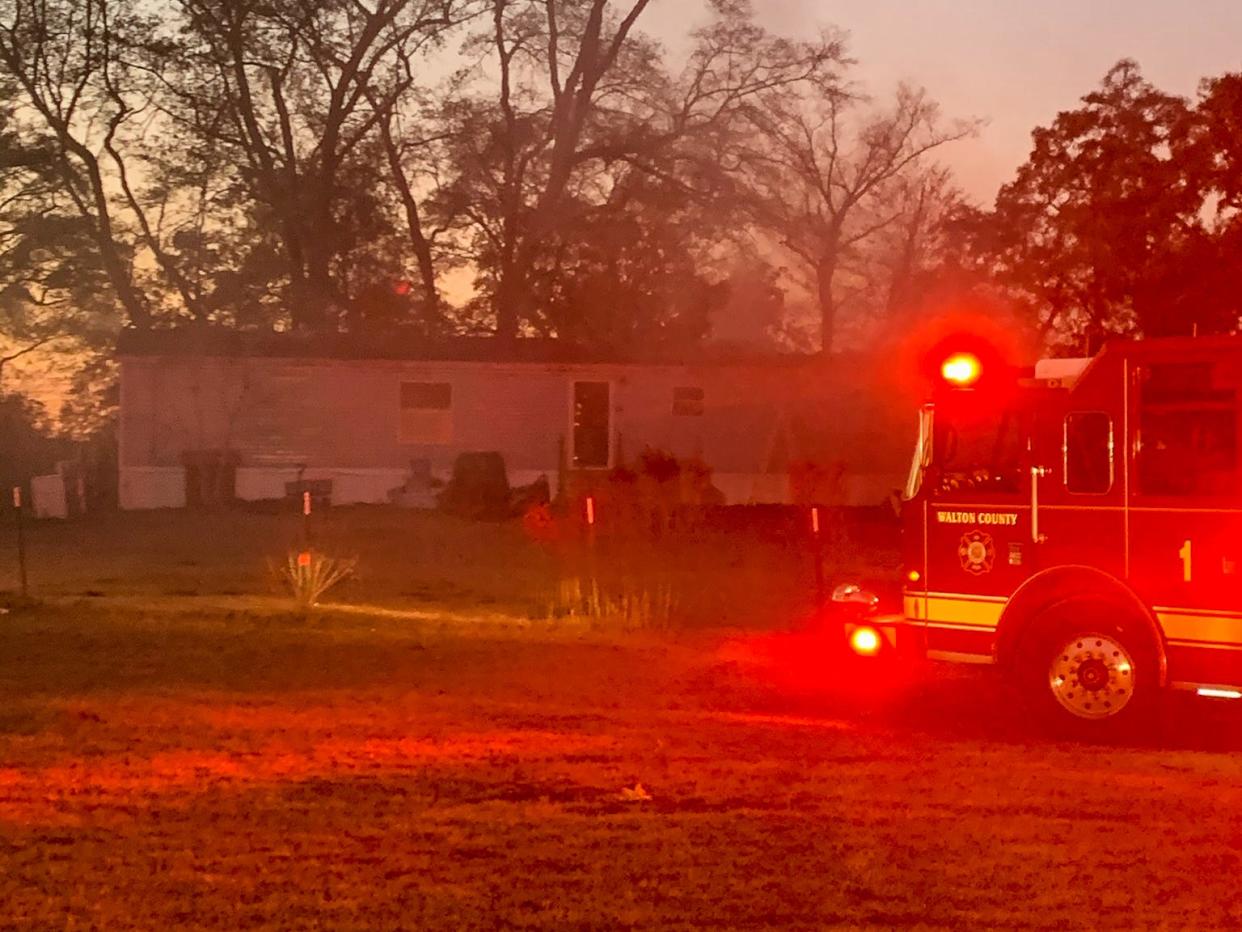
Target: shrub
[309,574]
[635,602]
[660,466]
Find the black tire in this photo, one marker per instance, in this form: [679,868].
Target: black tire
[1089,669]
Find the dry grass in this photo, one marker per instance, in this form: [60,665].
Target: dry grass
[411,559]
[208,771]
[222,762]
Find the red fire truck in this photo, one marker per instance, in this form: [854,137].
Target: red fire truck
[1078,524]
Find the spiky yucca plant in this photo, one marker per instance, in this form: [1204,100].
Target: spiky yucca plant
[309,574]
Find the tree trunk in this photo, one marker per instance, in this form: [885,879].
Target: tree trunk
[319,249]
[115,266]
[508,302]
[513,288]
[414,223]
[299,293]
[825,272]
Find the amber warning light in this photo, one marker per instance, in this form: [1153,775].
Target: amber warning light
[961,370]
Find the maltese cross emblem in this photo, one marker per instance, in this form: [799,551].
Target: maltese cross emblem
[977,552]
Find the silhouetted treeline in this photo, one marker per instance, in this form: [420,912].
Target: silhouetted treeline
[503,166]
[546,167]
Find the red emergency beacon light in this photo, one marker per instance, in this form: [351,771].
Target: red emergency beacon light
[962,361]
[961,370]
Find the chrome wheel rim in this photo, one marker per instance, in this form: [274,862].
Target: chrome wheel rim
[1092,676]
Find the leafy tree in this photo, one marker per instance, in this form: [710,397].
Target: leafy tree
[753,314]
[293,93]
[1213,267]
[54,292]
[80,71]
[27,447]
[1218,133]
[1120,220]
[626,274]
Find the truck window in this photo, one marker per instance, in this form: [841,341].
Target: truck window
[1088,448]
[1187,432]
[978,452]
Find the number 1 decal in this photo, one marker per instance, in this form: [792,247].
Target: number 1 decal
[1185,553]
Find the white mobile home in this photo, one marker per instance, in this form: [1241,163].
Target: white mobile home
[365,415]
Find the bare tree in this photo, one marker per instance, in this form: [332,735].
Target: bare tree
[826,177]
[902,258]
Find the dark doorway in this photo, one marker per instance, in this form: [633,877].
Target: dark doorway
[591,424]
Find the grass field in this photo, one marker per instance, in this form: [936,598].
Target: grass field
[412,560]
[179,749]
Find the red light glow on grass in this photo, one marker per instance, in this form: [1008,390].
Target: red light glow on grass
[241,748]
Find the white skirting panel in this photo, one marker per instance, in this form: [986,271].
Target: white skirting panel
[349,486]
[746,488]
[143,487]
[365,486]
[146,487]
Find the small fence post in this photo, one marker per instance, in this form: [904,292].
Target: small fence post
[21,541]
[304,556]
[588,505]
[562,473]
[817,538]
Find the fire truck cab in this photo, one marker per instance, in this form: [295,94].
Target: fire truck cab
[1079,525]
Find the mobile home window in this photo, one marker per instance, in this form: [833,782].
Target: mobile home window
[427,396]
[1188,423]
[688,400]
[426,412]
[1088,453]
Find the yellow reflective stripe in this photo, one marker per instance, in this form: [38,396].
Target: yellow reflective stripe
[1190,625]
[965,611]
[1201,626]
[971,598]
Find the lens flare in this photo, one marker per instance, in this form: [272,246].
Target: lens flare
[961,369]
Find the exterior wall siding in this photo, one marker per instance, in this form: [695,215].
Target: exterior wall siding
[341,420]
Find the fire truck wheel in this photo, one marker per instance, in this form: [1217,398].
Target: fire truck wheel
[1087,670]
